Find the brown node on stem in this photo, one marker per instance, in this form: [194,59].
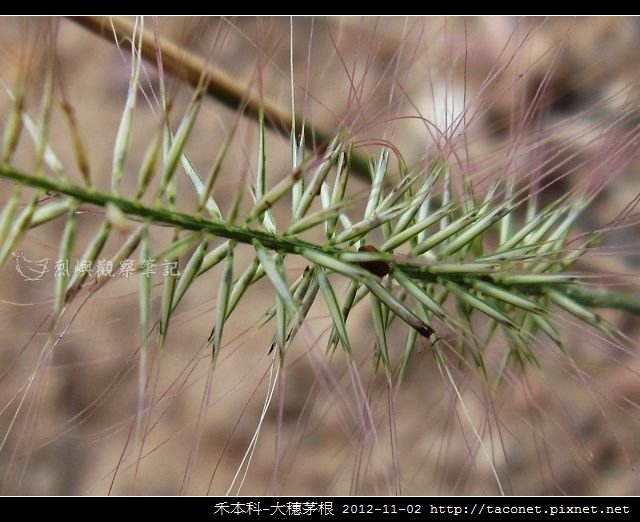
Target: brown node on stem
[379,268]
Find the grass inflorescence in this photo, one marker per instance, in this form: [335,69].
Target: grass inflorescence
[463,262]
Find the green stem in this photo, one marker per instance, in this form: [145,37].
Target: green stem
[243,234]
[159,215]
[604,299]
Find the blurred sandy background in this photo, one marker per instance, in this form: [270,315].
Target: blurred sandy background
[558,431]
